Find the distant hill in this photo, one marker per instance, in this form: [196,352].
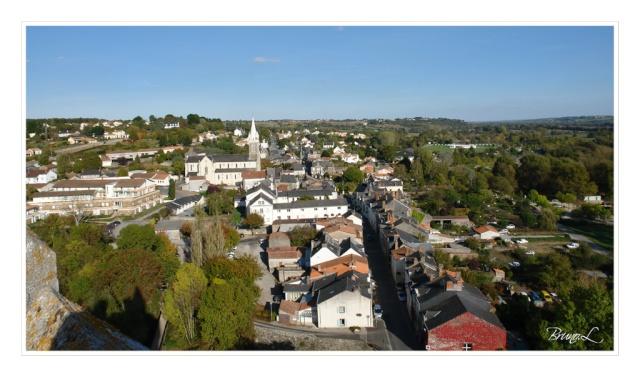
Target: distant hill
[591,120]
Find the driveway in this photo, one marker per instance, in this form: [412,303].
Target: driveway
[395,316]
[267,282]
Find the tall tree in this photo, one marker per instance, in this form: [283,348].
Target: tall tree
[182,300]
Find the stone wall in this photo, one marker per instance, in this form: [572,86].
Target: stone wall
[287,340]
[55,323]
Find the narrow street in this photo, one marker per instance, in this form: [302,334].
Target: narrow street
[400,334]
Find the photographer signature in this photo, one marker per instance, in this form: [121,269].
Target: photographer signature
[557,334]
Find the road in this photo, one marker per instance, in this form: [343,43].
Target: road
[141,221]
[83,147]
[582,238]
[396,321]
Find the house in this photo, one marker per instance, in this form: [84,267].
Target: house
[399,257]
[457,317]
[498,275]
[279,239]
[118,134]
[282,256]
[195,183]
[343,301]
[106,161]
[295,313]
[458,250]
[327,251]
[40,175]
[34,152]
[159,178]
[168,126]
[180,205]
[339,266]
[251,178]
[486,232]
[593,199]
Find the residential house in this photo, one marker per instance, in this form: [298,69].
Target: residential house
[343,301]
[180,205]
[486,232]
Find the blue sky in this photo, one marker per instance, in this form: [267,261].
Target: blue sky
[471,73]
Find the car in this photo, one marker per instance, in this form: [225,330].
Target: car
[377,311]
[510,227]
[530,252]
[522,241]
[402,296]
[535,296]
[231,255]
[514,264]
[525,294]
[547,297]
[504,231]
[572,245]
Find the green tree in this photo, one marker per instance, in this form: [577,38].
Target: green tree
[172,189]
[547,219]
[182,301]
[193,119]
[353,174]
[138,237]
[123,172]
[253,221]
[302,235]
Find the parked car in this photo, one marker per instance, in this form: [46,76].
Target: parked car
[402,296]
[572,245]
[547,297]
[231,255]
[530,252]
[504,231]
[535,296]
[525,294]
[514,264]
[377,311]
[510,227]
[522,241]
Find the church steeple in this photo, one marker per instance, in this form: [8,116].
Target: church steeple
[253,140]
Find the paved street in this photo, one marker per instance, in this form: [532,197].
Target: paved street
[396,319]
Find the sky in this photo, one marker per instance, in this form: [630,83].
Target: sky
[330,72]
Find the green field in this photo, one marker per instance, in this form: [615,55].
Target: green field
[601,234]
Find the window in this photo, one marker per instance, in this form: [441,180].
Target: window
[341,309]
[342,322]
[467,347]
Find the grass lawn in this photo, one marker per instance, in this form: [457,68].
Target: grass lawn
[601,234]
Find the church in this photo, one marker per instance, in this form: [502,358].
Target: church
[226,169]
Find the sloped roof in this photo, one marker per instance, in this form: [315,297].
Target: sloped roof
[352,281]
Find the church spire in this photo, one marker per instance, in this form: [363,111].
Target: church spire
[253,136]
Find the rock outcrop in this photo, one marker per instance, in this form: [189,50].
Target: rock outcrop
[54,322]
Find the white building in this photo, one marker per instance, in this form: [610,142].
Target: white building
[40,175]
[345,302]
[226,169]
[118,134]
[273,205]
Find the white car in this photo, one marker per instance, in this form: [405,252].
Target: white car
[510,226]
[514,264]
[572,245]
[522,241]
[231,255]
[530,252]
[504,231]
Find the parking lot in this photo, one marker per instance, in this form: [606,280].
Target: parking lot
[266,283]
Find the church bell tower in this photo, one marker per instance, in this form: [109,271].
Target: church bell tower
[253,140]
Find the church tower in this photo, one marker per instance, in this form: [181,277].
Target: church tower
[253,140]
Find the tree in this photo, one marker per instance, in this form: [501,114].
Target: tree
[301,235]
[214,240]
[197,256]
[193,119]
[183,299]
[253,221]
[123,172]
[172,189]
[533,172]
[326,153]
[138,237]
[547,219]
[64,165]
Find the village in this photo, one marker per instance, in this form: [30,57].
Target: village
[342,246]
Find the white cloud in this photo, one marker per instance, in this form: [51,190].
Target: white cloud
[265,60]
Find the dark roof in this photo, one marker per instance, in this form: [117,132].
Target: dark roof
[229,158]
[194,158]
[350,281]
[232,170]
[287,178]
[261,196]
[47,194]
[300,287]
[441,306]
[299,193]
[311,203]
[185,200]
